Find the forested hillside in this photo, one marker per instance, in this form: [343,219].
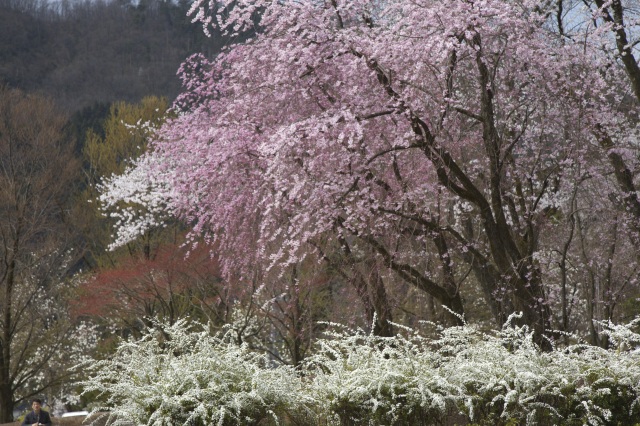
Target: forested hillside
[87,52]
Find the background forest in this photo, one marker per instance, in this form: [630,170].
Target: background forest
[72,74]
[90,54]
[313,164]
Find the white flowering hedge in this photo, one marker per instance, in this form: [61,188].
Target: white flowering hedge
[469,376]
[174,376]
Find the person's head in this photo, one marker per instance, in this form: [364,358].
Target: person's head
[36,404]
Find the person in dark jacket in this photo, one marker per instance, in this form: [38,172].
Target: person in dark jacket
[38,417]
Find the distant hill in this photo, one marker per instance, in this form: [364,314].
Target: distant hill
[97,52]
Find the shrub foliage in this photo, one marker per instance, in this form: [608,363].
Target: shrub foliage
[178,375]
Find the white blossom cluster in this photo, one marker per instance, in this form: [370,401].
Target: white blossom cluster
[137,199]
[177,376]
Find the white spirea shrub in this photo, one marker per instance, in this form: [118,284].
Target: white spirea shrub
[470,376]
[174,376]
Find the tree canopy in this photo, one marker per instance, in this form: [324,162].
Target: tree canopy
[462,143]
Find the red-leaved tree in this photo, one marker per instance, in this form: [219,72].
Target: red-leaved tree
[167,287]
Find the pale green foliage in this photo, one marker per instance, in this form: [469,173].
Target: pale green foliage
[127,129]
[176,376]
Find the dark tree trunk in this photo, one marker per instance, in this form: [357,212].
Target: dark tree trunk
[6,385]
[377,292]
[6,402]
